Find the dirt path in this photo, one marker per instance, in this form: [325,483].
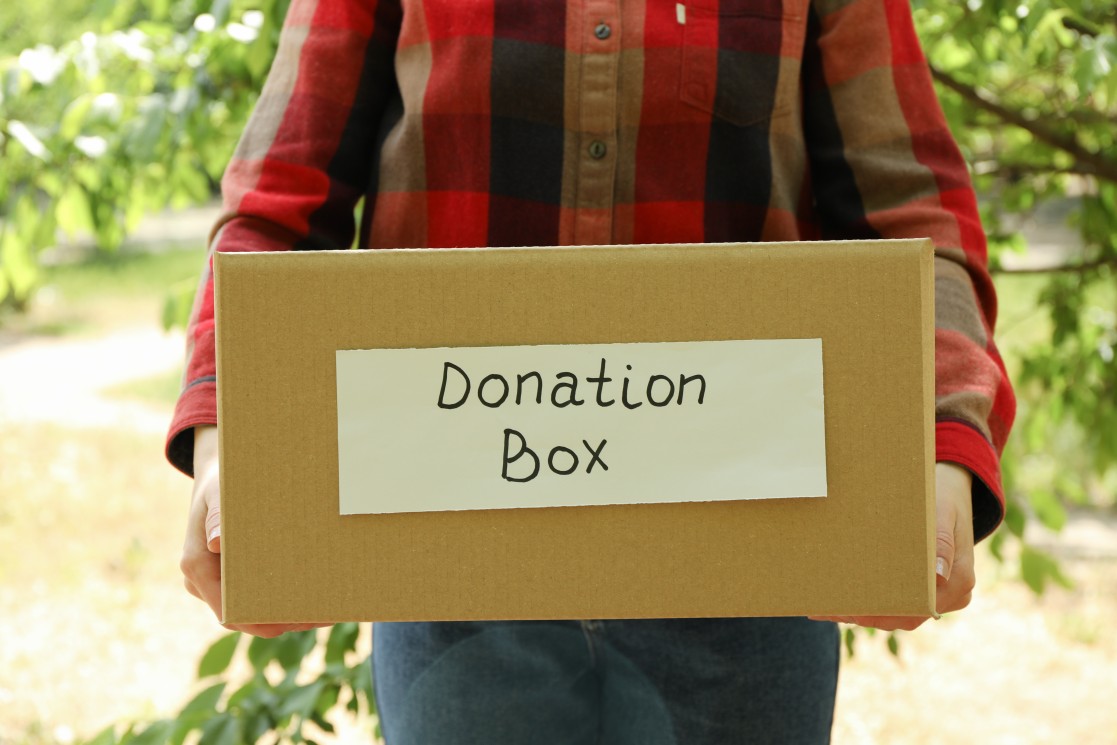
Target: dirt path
[61,381]
[94,626]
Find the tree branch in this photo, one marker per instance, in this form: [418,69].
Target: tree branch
[1091,162]
[1012,170]
[1084,27]
[1090,116]
[1079,268]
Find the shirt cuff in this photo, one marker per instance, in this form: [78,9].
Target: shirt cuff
[196,406]
[960,443]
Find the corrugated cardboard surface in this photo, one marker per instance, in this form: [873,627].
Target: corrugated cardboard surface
[290,556]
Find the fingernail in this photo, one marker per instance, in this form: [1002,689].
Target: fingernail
[940,567]
[215,532]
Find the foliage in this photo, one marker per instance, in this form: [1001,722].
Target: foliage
[1030,90]
[277,700]
[140,115]
[849,640]
[27,24]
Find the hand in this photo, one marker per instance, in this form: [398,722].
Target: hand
[201,553]
[954,550]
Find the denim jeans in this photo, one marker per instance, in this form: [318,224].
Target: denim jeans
[646,682]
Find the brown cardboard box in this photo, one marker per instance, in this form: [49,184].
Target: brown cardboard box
[866,548]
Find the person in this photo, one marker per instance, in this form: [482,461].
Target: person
[546,122]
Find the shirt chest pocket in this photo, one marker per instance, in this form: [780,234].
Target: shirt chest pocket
[740,58]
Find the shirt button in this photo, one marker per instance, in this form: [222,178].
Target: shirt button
[602,31]
[597,149]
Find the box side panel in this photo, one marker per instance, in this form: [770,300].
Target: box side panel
[291,557]
[927,317]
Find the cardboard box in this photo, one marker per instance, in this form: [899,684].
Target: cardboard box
[864,548]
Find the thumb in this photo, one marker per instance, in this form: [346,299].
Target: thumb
[213,528]
[944,544]
[952,500]
[943,564]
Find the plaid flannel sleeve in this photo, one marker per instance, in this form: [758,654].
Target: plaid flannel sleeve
[884,164]
[303,162]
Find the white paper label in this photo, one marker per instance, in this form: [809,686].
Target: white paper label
[468,428]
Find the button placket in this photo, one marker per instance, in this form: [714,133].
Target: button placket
[597,122]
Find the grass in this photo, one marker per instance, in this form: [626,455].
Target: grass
[102,290]
[95,622]
[127,273]
[159,390]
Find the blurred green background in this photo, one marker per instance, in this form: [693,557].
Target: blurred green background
[116,122]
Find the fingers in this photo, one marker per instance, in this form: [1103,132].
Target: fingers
[269,630]
[201,550]
[956,593]
[954,587]
[201,558]
[884,623]
[201,568]
[944,550]
[954,549]
[213,527]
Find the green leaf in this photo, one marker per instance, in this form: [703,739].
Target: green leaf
[73,210]
[1048,508]
[300,701]
[850,638]
[343,638]
[256,727]
[259,56]
[241,695]
[205,702]
[184,727]
[360,676]
[147,130]
[107,736]
[327,700]
[262,651]
[1015,519]
[156,733]
[893,644]
[220,11]
[1052,23]
[74,116]
[217,658]
[224,730]
[996,545]
[321,722]
[18,265]
[1037,567]
[294,646]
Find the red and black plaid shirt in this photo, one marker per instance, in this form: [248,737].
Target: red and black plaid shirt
[548,122]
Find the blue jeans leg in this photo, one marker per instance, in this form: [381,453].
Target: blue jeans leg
[485,683]
[646,682]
